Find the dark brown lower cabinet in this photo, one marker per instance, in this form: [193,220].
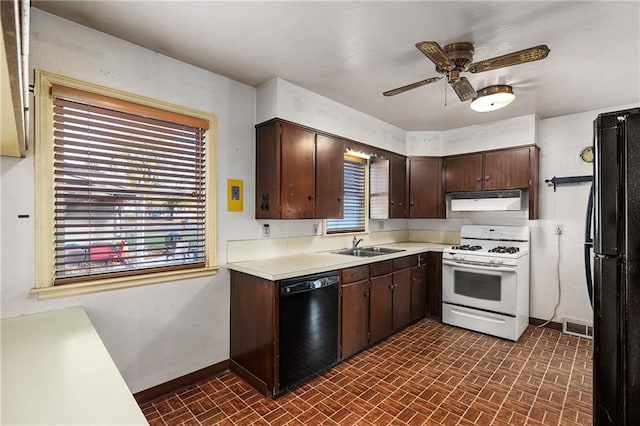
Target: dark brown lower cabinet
[401,296]
[434,285]
[354,310]
[252,346]
[418,286]
[380,307]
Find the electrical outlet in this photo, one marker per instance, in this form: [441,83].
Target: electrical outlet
[266,231]
[315,229]
[559,229]
[380,225]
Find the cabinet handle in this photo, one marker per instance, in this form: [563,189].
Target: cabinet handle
[391,202]
[486,178]
[412,204]
[366,294]
[339,199]
[478,179]
[310,197]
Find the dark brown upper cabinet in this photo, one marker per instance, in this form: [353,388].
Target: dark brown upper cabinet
[463,173]
[426,188]
[299,172]
[329,177]
[511,168]
[388,187]
[398,187]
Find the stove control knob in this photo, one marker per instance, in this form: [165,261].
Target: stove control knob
[492,261]
[499,262]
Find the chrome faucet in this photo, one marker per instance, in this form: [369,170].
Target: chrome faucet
[355,242]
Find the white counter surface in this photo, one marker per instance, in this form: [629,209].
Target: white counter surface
[279,268]
[56,371]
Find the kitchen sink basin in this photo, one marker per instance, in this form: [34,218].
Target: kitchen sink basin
[383,250]
[368,251]
[359,252]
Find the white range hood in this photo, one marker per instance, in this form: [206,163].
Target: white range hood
[486,201]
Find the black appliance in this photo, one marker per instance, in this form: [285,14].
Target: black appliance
[308,327]
[616,281]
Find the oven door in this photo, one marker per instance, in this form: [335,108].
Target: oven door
[491,288]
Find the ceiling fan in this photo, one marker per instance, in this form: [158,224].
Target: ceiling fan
[455,58]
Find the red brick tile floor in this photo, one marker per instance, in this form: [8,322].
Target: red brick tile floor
[428,373]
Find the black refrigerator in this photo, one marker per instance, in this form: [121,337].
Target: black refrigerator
[616,276]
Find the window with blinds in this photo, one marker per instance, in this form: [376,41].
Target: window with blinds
[354,198]
[129,188]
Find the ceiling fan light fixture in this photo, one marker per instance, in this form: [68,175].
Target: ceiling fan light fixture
[492,98]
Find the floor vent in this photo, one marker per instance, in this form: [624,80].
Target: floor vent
[577,328]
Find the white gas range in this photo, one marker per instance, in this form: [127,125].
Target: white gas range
[485,280]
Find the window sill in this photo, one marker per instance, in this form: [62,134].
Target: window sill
[94,286]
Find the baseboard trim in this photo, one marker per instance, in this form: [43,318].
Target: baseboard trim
[250,378]
[182,382]
[552,325]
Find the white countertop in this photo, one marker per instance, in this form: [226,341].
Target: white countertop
[56,370]
[279,268]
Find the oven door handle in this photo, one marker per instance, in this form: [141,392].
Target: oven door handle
[479,267]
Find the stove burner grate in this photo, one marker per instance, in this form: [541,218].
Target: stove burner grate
[467,247]
[504,250]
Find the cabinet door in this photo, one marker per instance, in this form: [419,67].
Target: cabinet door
[463,173]
[267,171]
[419,289]
[380,306]
[397,187]
[355,317]
[507,169]
[401,299]
[329,177]
[434,285]
[297,186]
[426,198]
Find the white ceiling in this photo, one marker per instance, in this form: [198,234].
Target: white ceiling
[353,51]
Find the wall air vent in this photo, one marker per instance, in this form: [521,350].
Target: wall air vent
[577,328]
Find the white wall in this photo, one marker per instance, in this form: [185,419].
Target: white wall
[279,98]
[158,332]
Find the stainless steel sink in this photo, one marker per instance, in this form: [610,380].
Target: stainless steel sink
[358,252]
[368,251]
[383,250]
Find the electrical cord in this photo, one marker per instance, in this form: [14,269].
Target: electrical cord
[555,309]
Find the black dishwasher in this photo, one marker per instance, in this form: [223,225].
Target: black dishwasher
[308,326]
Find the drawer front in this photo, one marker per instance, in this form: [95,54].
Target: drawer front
[351,275]
[402,263]
[380,268]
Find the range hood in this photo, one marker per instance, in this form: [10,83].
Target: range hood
[486,201]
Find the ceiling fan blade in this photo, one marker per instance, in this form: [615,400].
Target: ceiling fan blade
[514,58]
[411,86]
[463,89]
[434,52]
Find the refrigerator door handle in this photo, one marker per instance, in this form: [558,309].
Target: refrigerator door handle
[588,246]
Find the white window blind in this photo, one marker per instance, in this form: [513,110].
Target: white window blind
[379,189]
[354,198]
[129,184]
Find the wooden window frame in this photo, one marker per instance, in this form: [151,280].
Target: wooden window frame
[44,191]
